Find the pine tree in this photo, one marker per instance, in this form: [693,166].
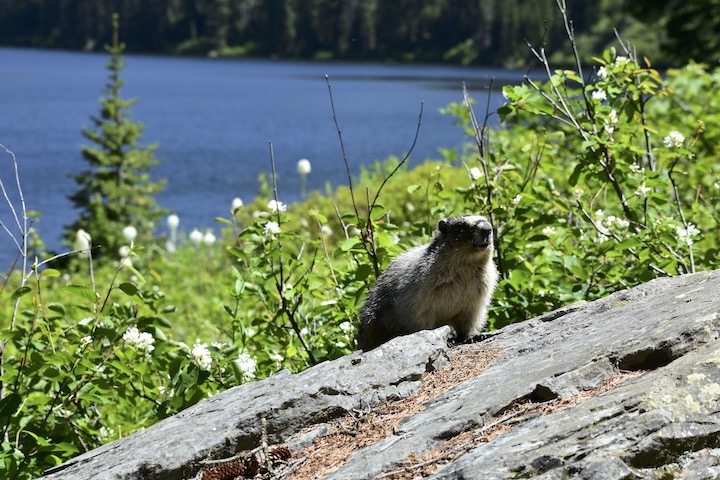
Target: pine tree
[117,190]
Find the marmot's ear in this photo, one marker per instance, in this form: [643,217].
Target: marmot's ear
[443,226]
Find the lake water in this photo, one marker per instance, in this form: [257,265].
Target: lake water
[213,120]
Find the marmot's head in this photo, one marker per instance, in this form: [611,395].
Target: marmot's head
[473,232]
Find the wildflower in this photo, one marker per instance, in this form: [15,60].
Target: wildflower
[173,221]
[642,190]
[85,341]
[621,60]
[126,262]
[475,173]
[602,72]
[247,365]
[276,206]
[599,95]
[271,229]
[345,327]
[635,168]
[196,237]
[303,166]
[548,231]
[130,233]
[140,341]
[209,238]
[516,199]
[236,205]
[85,321]
[685,234]
[276,357]
[326,230]
[200,355]
[83,241]
[600,213]
[674,139]
[611,121]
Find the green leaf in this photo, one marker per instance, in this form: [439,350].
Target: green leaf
[223,220]
[140,276]
[349,244]
[84,293]
[50,272]
[9,405]
[20,292]
[413,188]
[129,289]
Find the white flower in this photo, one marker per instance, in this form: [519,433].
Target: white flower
[83,242]
[345,327]
[200,355]
[173,221]
[276,357]
[602,72]
[643,190]
[505,94]
[247,365]
[141,341]
[326,230]
[196,237]
[271,229]
[621,61]
[599,213]
[517,199]
[276,206]
[634,167]
[85,341]
[126,262]
[475,173]
[209,238]
[236,203]
[303,166]
[85,321]
[674,139]
[613,118]
[124,251]
[548,231]
[130,233]
[686,234]
[599,95]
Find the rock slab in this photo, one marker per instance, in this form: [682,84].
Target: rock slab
[664,420]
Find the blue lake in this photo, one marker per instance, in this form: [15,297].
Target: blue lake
[213,120]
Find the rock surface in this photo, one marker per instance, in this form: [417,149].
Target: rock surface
[624,387]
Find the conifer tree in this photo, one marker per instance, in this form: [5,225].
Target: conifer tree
[116,190]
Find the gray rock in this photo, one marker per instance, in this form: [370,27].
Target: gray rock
[664,421]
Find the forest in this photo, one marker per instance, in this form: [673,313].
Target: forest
[467,32]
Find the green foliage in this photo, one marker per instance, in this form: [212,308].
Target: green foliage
[117,190]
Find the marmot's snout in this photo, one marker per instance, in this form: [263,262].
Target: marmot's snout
[482,237]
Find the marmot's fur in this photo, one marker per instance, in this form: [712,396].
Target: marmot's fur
[448,281]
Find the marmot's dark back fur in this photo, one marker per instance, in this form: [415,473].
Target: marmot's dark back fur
[448,281]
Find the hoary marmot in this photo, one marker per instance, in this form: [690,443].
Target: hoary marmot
[449,281]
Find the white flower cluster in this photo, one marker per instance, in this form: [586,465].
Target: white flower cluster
[611,121]
[247,365]
[599,96]
[276,206]
[686,234]
[271,229]
[674,139]
[200,355]
[611,223]
[141,341]
[475,173]
[303,166]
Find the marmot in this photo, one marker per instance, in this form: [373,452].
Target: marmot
[448,281]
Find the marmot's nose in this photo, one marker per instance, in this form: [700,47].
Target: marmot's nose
[484,232]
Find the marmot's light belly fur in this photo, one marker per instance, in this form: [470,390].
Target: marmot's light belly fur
[448,281]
